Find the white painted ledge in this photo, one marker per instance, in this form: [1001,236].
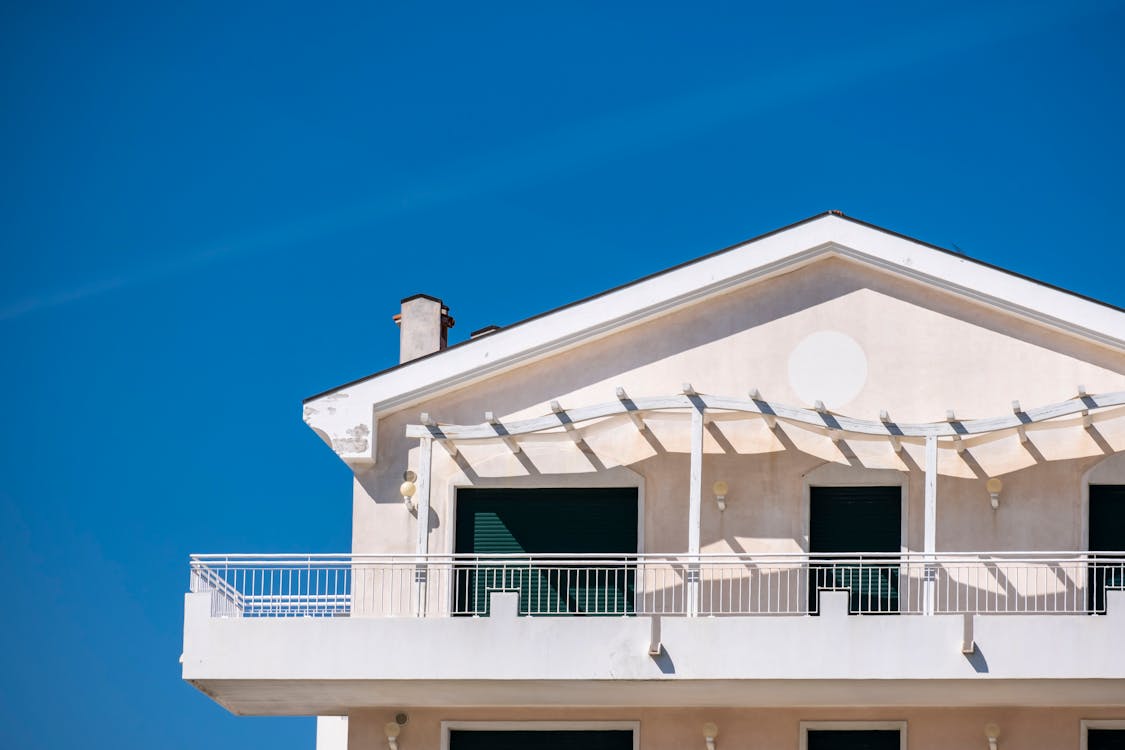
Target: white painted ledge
[324,666]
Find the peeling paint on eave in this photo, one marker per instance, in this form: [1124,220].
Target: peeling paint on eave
[346,426]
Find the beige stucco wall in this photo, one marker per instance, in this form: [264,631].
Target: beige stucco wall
[926,351]
[777,729]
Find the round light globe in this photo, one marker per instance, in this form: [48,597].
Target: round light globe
[710,731]
[720,488]
[991,729]
[392,729]
[408,489]
[994,486]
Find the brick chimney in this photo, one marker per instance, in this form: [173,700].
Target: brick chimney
[423,325]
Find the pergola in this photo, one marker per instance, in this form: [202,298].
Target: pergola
[1085,425]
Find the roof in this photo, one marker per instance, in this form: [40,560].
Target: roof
[828,234]
[694,261]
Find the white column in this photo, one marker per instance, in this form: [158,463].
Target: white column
[930,523]
[695,504]
[425,459]
[332,733]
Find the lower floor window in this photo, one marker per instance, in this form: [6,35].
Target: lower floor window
[870,739]
[540,740]
[853,735]
[1105,739]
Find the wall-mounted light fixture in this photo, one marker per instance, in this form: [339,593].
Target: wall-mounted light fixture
[992,732]
[994,486]
[710,732]
[720,490]
[392,730]
[407,489]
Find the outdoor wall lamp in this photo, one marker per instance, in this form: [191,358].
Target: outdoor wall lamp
[720,490]
[392,730]
[992,732]
[408,488]
[994,486]
[710,732]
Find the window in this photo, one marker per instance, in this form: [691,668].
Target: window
[462,739]
[540,735]
[1103,734]
[1107,534]
[542,522]
[856,519]
[853,735]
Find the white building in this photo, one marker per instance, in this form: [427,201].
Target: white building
[828,488]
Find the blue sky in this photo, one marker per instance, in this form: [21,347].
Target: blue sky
[209,212]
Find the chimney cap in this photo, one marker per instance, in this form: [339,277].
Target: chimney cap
[484,331]
[430,297]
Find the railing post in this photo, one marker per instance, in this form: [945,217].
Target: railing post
[929,571]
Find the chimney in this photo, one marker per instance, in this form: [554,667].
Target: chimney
[423,325]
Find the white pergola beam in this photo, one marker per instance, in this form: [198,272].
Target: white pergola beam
[627,402]
[796,415]
[756,397]
[565,421]
[436,433]
[896,441]
[1021,429]
[499,429]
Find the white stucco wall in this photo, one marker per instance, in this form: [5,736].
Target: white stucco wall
[776,729]
[923,350]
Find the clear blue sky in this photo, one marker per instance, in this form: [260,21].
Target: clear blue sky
[209,212]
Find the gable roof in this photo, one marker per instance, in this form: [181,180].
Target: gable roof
[829,234]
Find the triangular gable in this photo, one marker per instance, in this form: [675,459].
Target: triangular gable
[345,417]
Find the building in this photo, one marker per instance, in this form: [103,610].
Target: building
[828,488]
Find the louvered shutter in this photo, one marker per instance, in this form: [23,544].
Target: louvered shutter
[538,522]
[856,519]
[1107,534]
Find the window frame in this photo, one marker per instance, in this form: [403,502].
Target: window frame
[1087,724]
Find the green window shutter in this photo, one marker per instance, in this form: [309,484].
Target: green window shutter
[1107,534]
[538,522]
[528,740]
[856,519]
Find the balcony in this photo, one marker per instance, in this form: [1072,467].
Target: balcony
[321,634]
[724,585]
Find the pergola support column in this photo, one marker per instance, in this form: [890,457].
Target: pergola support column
[930,525]
[695,505]
[425,461]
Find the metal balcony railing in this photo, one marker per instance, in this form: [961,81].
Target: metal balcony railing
[1060,583]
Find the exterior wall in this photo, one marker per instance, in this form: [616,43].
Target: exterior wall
[925,351]
[777,729]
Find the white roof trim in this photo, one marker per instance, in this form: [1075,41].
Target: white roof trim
[783,251]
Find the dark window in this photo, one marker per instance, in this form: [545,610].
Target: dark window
[538,523]
[866,739]
[1107,534]
[533,740]
[1105,739]
[857,519]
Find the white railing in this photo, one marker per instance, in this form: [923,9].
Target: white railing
[650,584]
